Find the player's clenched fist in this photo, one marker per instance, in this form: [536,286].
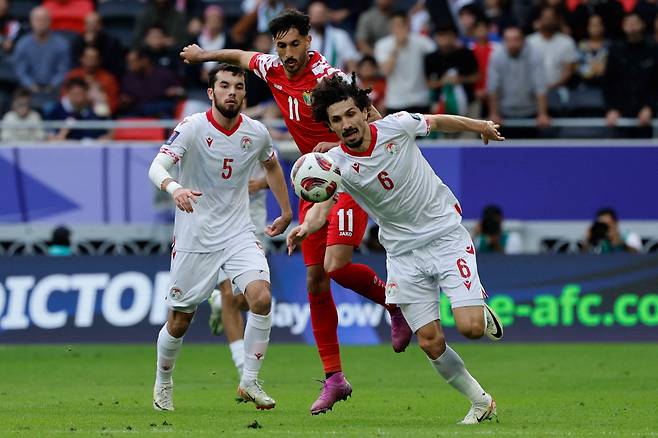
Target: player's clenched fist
[192,54]
[184,198]
[490,132]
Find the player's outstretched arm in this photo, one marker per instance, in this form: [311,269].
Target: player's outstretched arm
[159,175]
[487,129]
[277,183]
[193,54]
[315,219]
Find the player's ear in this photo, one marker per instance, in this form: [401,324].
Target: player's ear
[211,94]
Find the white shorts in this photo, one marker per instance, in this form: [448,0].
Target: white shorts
[194,275]
[420,314]
[222,277]
[447,264]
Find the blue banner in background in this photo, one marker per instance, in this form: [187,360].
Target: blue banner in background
[109,184]
[121,299]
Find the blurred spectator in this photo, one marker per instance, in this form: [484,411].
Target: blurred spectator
[469,15]
[593,53]
[110,49]
[148,90]
[499,14]
[534,17]
[41,58]
[482,49]
[655,31]
[22,113]
[419,19]
[68,15]
[334,43]
[373,25]
[604,236]
[557,50]
[400,58]
[213,35]
[60,243]
[451,70]
[368,76]
[489,236]
[103,87]
[260,102]
[256,18]
[610,11]
[9,28]
[76,105]
[164,14]
[156,44]
[631,77]
[515,81]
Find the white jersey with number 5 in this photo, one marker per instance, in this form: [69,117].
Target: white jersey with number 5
[396,186]
[218,163]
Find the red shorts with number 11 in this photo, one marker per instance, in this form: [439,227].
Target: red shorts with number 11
[345,225]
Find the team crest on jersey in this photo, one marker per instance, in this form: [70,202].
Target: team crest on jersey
[175,293]
[209,141]
[356,167]
[307,97]
[392,148]
[246,143]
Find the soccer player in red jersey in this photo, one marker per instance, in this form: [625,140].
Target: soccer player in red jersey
[292,74]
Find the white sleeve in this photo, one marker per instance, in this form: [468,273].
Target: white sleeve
[181,138]
[159,170]
[414,124]
[267,151]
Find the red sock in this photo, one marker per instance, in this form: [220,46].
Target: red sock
[324,319]
[362,280]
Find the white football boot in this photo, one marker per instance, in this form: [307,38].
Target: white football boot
[163,397]
[481,411]
[215,321]
[253,392]
[494,328]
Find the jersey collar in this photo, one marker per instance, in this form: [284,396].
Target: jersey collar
[226,132]
[366,153]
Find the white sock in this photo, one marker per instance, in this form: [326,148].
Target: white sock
[451,367]
[256,339]
[168,348]
[237,354]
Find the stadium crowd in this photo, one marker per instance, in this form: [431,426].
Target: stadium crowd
[501,59]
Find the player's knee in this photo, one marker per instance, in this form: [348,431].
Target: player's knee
[332,264]
[261,302]
[178,326]
[474,329]
[433,344]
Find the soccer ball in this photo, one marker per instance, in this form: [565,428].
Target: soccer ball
[315,177]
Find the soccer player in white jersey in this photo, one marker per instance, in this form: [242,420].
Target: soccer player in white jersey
[225,307]
[419,221]
[218,150]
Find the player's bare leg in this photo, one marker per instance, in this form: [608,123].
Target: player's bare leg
[451,367]
[324,319]
[256,341]
[475,321]
[364,281]
[170,340]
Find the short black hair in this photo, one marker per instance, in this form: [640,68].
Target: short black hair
[492,210]
[446,28]
[236,70]
[400,13]
[22,92]
[76,82]
[367,59]
[282,23]
[607,211]
[333,90]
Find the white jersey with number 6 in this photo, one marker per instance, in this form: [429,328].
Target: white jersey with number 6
[218,163]
[396,186]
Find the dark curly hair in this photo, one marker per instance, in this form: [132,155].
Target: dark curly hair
[336,89]
[282,23]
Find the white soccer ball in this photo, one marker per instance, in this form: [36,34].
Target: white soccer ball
[315,177]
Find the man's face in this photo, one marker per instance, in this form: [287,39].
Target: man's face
[292,48]
[548,22]
[155,39]
[90,59]
[384,5]
[595,26]
[399,28]
[609,221]
[134,63]
[317,13]
[93,23]
[78,97]
[228,94]
[367,70]
[348,122]
[513,41]
[214,21]
[633,27]
[40,20]
[447,41]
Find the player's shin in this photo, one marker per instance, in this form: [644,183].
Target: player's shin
[168,349]
[451,367]
[256,340]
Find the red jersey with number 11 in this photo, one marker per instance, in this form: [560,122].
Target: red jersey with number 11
[293,96]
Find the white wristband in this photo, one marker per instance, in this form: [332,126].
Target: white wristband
[172,187]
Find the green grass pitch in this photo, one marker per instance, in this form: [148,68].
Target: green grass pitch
[568,390]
